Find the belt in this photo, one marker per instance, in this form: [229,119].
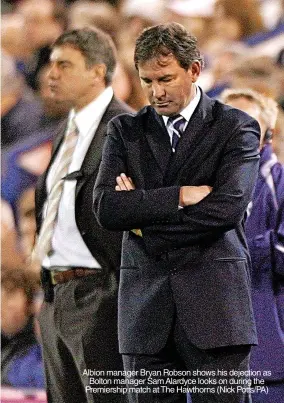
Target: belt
[59,277]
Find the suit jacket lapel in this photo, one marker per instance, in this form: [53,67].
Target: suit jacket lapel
[93,157]
[193,134]
[57,141]
[158,139]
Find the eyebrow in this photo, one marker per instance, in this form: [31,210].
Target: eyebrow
[160,78]
[58,60]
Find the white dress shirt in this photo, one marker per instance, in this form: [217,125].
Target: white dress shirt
[67,243]
[187,112]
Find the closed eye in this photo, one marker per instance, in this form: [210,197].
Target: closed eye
[146,80]
[64,64]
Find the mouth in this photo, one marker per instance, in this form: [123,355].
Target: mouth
[161,104]
[53,87]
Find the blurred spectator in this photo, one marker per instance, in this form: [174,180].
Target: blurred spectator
[101,14]
[278,137]
[268,43]
[22,164]
[21,360]
[27,223]
[21,110]
[11,254]
[265,76]
[224,60]
[13,39]
[25,161]
[44,21]
[280,78]
[236,67]
[265,235]
[196,16]
[104,16]
[259,73]
[236,20]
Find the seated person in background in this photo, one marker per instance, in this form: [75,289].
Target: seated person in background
[21,359]
[265,234]
[21,111]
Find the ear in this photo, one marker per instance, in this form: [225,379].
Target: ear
[99,72]
[195,70]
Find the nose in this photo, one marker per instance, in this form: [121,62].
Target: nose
[158,90]
[52,72]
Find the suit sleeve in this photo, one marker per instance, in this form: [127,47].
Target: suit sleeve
[128,209]
[155,211]
[224,208]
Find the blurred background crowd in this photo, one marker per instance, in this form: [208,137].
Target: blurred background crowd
[243,45]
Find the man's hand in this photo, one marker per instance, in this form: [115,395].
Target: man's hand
[190,195]
[124,183]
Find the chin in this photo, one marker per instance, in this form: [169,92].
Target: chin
[164,112]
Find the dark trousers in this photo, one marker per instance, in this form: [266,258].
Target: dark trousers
[79,333]
[180,355]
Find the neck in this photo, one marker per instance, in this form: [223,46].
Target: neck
[88,98]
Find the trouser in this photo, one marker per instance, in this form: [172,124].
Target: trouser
[205,375]
[79,335]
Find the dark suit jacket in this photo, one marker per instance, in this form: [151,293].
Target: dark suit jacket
[104,245]
[194,262]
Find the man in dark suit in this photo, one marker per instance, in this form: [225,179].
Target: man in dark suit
[177,178]
[79,316]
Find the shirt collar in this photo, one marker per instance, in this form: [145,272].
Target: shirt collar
[84,119]
[187,112]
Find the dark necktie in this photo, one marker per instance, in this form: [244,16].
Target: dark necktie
[176,124]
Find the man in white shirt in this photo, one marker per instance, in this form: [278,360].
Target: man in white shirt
[78,318]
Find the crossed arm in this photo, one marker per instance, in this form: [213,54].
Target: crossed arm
[188,196]
[118,205]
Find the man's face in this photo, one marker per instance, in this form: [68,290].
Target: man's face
[69,79]
[252,109]
[167,85]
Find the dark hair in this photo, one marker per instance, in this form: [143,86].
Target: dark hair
[95,45]
[165,39]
